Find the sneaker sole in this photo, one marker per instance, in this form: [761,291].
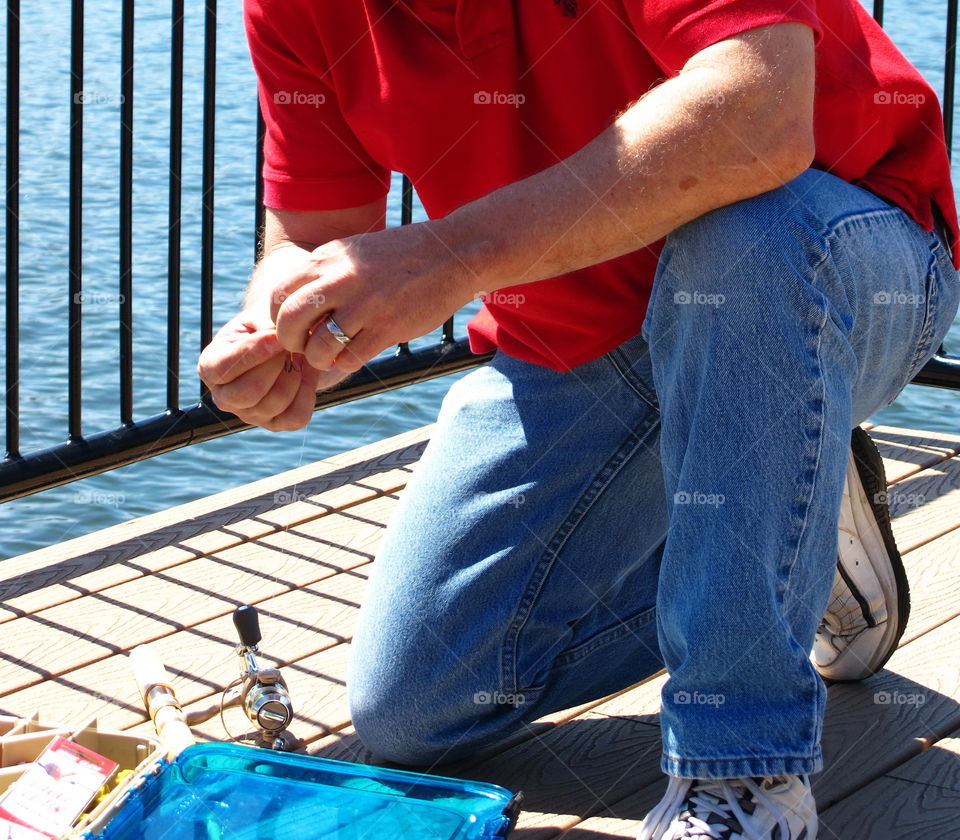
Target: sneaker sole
[872,517]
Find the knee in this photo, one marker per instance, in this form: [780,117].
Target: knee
[748,266]
[390,730]
[412,706]
[736,248]
[408,726]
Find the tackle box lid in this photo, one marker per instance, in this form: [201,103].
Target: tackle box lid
[213,791]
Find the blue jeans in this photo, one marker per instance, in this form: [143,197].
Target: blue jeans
[673,503]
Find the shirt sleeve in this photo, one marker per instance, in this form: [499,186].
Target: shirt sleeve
[312,159]
[673,31]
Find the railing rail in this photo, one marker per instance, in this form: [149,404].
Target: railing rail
[86,452]
[12,232]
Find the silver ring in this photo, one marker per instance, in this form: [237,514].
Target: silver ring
[336,332]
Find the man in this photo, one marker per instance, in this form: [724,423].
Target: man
[711,240]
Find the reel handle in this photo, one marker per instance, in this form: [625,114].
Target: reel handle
[247,621]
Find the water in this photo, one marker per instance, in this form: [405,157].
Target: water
[173,478]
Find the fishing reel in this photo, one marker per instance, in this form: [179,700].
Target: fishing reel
[260,692]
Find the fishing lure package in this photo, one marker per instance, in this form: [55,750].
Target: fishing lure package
[25,741]
[213,791]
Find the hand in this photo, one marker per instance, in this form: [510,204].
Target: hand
[381,289]
[251,375]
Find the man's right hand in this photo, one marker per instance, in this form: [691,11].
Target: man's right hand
[252,376]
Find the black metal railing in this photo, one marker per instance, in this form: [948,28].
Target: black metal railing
[87,452]
[12,230]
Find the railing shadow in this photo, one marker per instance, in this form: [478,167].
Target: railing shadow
[177,533]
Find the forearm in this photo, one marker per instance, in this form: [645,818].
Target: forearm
[701,140]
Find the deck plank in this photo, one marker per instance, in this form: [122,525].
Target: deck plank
[915,801]
[119,554]
[907,451]
[294,624]
[933,569]
[927,504]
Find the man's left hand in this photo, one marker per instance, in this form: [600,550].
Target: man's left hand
[379,288]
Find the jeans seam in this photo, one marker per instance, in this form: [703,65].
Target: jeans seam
[925,339]
[620,363]
[937,251]
[561,535]
[885,214]
[817,456]
[745,758]
[623,628]
[816,721]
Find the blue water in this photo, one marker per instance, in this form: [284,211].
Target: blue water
[69,511]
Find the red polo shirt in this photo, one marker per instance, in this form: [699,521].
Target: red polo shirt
[465,96]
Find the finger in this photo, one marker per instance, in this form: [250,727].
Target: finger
[298,412]
[250,388]
[226,358]
[359,351]
[280,396]
[297,316]
[323,347]
[293,278]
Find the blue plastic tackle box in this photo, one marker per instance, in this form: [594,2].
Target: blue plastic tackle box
[228,792]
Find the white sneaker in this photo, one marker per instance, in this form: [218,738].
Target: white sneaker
[870,601]
[771,808]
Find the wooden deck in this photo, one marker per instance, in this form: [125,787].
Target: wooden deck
[299,546]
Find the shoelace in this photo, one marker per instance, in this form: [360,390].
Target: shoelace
[710,806]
